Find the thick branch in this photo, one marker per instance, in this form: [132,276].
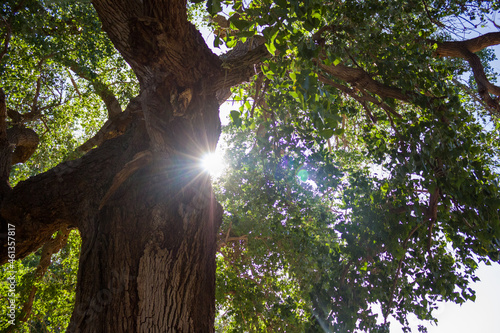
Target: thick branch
[362,99]
[484,86]
[157,40]
[453,49]
[113,127]
[24,140]
[65,195]
[360,79]
[466,50]
[239,65]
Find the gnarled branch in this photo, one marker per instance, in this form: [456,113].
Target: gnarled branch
[454,49]
[157,40]
[64,195]
[466,50]
[239,65]
[51,247]
[112,128]
[25,141]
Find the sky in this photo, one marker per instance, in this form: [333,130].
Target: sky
[482,316]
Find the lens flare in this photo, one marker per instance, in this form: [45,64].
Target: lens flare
[303,175]
[213,163]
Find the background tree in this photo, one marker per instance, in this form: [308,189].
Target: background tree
[364,171]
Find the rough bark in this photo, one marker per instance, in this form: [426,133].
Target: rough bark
[148,257]
[25,141]
[148,252]
[41,205]
[158,41]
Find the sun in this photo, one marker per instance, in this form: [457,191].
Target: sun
[213,163]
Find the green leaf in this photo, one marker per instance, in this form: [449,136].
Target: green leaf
[326,133]
[214,6]
[235,118]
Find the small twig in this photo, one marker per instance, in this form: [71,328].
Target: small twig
[369,113]
[494,23]
[439,24]
[44,121]
[73,82]
[34,107]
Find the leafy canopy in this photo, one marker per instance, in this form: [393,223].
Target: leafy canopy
[362,177]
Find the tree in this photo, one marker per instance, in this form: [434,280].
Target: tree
[328,91]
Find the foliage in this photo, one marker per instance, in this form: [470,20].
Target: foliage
[342,206]
[55,291]
[344,237]
[384,241]
[55,52]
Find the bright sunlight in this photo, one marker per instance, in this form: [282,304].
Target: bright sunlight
[213,163]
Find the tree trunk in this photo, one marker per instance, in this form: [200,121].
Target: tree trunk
[148,265]
[144,207]
[148,252]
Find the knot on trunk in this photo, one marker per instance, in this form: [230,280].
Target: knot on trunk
[24,141]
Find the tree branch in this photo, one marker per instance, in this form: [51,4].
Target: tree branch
[360,79]
[51,247]
[466,50]
[25,141]
[239,65]
[157,40]
[101,89]
[454,49]
[362,99]
[65,195]
[113,127]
